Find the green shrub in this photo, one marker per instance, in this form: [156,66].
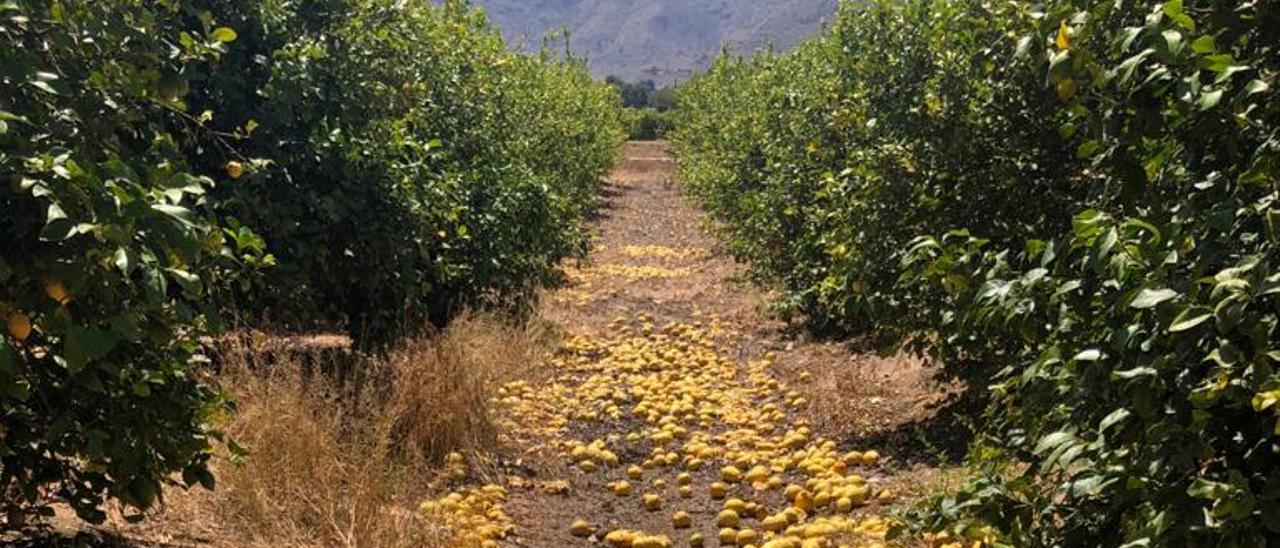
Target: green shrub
[398,162]
[647,124]
[112,264]
[1071,202]
[410,165]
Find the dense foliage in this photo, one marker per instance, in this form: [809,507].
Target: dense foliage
[166,166]
[647,124]
[648,108]
[643,94]
[1074,202]
[407,165]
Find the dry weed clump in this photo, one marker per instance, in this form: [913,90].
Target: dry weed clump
[344,458]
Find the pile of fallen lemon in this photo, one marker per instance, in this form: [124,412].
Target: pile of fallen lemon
[590,283]
[474,517]
[662,252]
[702,425]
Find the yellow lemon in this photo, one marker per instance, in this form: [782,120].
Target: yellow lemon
[19,326]
[718,490]
[737,505]
[56,291]
[651,542]
[728,519]
[620,539]
[651,501]
[844,505]
[581,528]
[621,488]
[730,474]
[728,536]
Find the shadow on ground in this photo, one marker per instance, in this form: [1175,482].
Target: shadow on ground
[942,438]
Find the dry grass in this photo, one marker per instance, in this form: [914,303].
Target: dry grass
[347,463]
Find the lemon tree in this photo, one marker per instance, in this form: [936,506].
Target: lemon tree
[112,259]
[406,164]
[1072,204]
[169,168]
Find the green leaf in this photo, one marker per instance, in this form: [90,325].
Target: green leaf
[1210,99]
[1113,419]
[1052,441]
[1091,355]
[1089,486]
[83,345]
[1088,149]
[8,359]
[57,226]
[1089,223]
[223,34]
[1172,41]
[1256,86]
[122,261]
[1205,489]
[189,282]
[179,213]
[45,86]
[1204,45]
[1265,400]
[1190,319]
[1134,373]
[1150,298]
[1173,9]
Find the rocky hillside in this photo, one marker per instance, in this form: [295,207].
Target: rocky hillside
[662,40]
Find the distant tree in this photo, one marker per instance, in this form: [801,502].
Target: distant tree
[663,99]
[642,94]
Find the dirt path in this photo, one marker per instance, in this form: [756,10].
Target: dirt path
[678,412]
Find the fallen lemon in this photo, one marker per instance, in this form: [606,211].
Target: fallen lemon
[620,538]
[581,528]
[730,474]
[719,490]
[621,488]
[652,502]
[728,519]
[682,520]
[651,542]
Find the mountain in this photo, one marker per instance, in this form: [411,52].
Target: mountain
[661,40]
